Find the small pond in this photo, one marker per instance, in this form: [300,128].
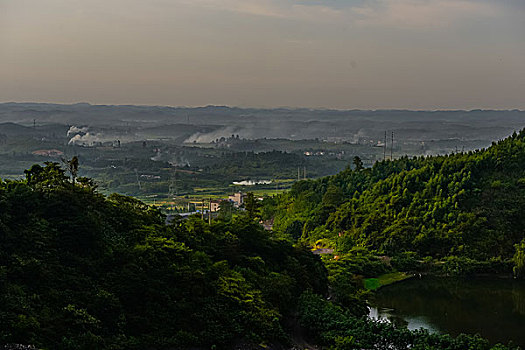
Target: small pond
[493,307]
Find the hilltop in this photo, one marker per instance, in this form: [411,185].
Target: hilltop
[467,204]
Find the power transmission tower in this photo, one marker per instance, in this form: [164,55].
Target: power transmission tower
[173,184]
[392,147]
[384,148]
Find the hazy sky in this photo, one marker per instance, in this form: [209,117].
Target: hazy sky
[417,54]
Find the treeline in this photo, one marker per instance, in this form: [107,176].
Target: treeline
[468,205]
[272,164]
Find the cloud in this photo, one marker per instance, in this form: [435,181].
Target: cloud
[420,13]
[284,9]
[372,13]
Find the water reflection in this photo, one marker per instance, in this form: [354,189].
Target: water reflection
[411,322]
[494,308]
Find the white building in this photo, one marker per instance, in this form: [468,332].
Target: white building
[237,198]
[214,205]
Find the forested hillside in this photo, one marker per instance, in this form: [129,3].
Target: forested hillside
[465,204]
[79,270]
[82,271]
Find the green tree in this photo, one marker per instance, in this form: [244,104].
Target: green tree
[519,260]
[226,210]
[252,206]
[294,230]
[333,196]
[358,163]
[48,177]
[72,167]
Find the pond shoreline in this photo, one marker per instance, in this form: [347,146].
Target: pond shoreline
[492,305]
[412,275]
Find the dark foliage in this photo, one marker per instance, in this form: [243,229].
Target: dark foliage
[82,271]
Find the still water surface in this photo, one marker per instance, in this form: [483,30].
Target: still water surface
[492,307]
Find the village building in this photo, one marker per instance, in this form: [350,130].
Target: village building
[215,205]
[237,198]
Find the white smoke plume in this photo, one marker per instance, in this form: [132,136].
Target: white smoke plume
[85,139]
[358,136]
[73,130]
[82,136]
[212,136]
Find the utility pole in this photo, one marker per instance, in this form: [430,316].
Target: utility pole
[392,148]
[138,181]
[172,188]
[384,148]
[298,173]
[304,168]
[209,214]
[202,210]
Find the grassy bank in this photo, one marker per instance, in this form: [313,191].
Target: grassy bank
[384,280]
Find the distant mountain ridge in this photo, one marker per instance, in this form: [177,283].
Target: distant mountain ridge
[350,125]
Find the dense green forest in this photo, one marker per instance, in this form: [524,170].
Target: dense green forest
[460,207]
[79,270]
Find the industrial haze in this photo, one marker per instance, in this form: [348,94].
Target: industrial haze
[205,124]
[180,154]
